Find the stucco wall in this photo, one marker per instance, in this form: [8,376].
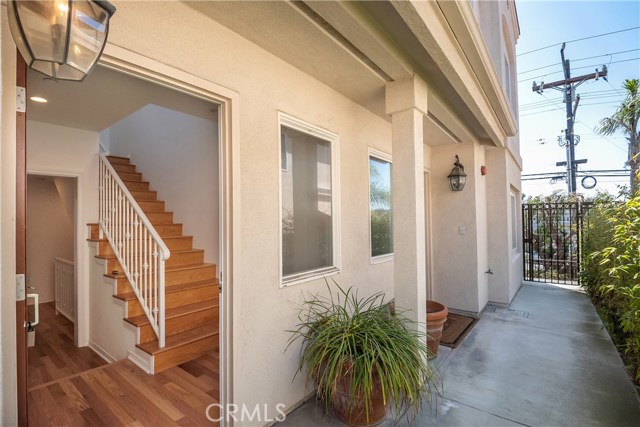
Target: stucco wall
[178,154]
[63,151]
[262,312]
[499,246]
[456,260]
[50,230]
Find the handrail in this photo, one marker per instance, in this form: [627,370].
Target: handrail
[136,243]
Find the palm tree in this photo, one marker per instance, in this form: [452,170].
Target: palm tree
[625,120]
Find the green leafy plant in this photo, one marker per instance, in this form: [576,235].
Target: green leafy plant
[362,342]
[612,274]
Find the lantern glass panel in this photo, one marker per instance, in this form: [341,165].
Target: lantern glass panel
[88,34]
[45,25]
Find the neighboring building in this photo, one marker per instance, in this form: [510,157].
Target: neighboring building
[314,105]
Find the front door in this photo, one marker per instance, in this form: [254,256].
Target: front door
[21,241]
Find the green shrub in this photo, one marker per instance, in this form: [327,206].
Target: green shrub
[611,274]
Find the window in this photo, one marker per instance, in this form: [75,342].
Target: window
[507,79]
[310,245]
[514,221]
[380,216]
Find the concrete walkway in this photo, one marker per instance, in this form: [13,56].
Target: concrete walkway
[545,361]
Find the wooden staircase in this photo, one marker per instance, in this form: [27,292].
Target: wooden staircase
[191,285]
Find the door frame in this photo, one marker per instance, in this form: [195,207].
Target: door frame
[428,235]
[136,65]
[80,323]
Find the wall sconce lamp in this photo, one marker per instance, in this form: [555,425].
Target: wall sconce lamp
[61,39]
[457,177]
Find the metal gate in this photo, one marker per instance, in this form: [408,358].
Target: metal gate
[552,236]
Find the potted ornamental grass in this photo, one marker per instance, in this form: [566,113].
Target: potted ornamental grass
[363,356]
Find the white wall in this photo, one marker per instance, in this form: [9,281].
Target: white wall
[262,312]
[456,257]
[50,230]
[178,154]
[499,247]
[8,375]
[111,337]
[63,151]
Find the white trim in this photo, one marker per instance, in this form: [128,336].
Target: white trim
[141,360]
[334,141]
[372,152]
[80,254]
[108,357]
[128,62]
[515,212]
[428,235]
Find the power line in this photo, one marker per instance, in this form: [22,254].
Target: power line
[581,68]
[603,137]
[614,62]
[544,104]
[558,107]
[577,40]
[579,59]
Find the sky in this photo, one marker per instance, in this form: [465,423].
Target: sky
[542,116]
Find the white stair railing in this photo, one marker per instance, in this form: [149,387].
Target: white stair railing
[64,287]
[136,244]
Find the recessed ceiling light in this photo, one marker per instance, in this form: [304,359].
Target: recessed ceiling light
[38,99]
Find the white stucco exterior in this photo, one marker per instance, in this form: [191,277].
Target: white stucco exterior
[434,93]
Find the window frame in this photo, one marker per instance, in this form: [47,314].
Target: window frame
[300,125]
[379,155]
[514,221]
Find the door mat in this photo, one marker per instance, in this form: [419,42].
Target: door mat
[456,328]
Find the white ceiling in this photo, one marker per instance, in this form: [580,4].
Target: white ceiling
[104,98]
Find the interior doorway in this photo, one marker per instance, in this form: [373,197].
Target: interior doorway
[52,227]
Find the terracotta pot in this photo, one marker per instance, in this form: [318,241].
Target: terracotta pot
[355,414]
[436,318]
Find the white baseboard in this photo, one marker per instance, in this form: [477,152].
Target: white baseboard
[102,352]
[141,359]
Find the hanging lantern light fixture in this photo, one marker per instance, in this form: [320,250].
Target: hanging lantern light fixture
[457,177]
[61,39]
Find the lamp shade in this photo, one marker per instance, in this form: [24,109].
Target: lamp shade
[457,177]
[61,39]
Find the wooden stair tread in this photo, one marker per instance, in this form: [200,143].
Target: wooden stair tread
[178,340]
[189,267]
[118,159]
[136,182]
[176,252]
[191,288]
[128,296]
[177,311]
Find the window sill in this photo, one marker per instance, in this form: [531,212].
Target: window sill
[308,276]
[381,258]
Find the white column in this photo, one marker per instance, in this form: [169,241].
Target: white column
[406,102]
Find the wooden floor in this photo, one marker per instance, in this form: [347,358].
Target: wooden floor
[55,355]
[120,394]
[70,386]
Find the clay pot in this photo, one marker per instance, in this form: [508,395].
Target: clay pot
[436,318]
[355,414]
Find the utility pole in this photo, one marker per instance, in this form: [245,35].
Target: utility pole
[568,86]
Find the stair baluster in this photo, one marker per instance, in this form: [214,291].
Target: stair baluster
[137,245]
